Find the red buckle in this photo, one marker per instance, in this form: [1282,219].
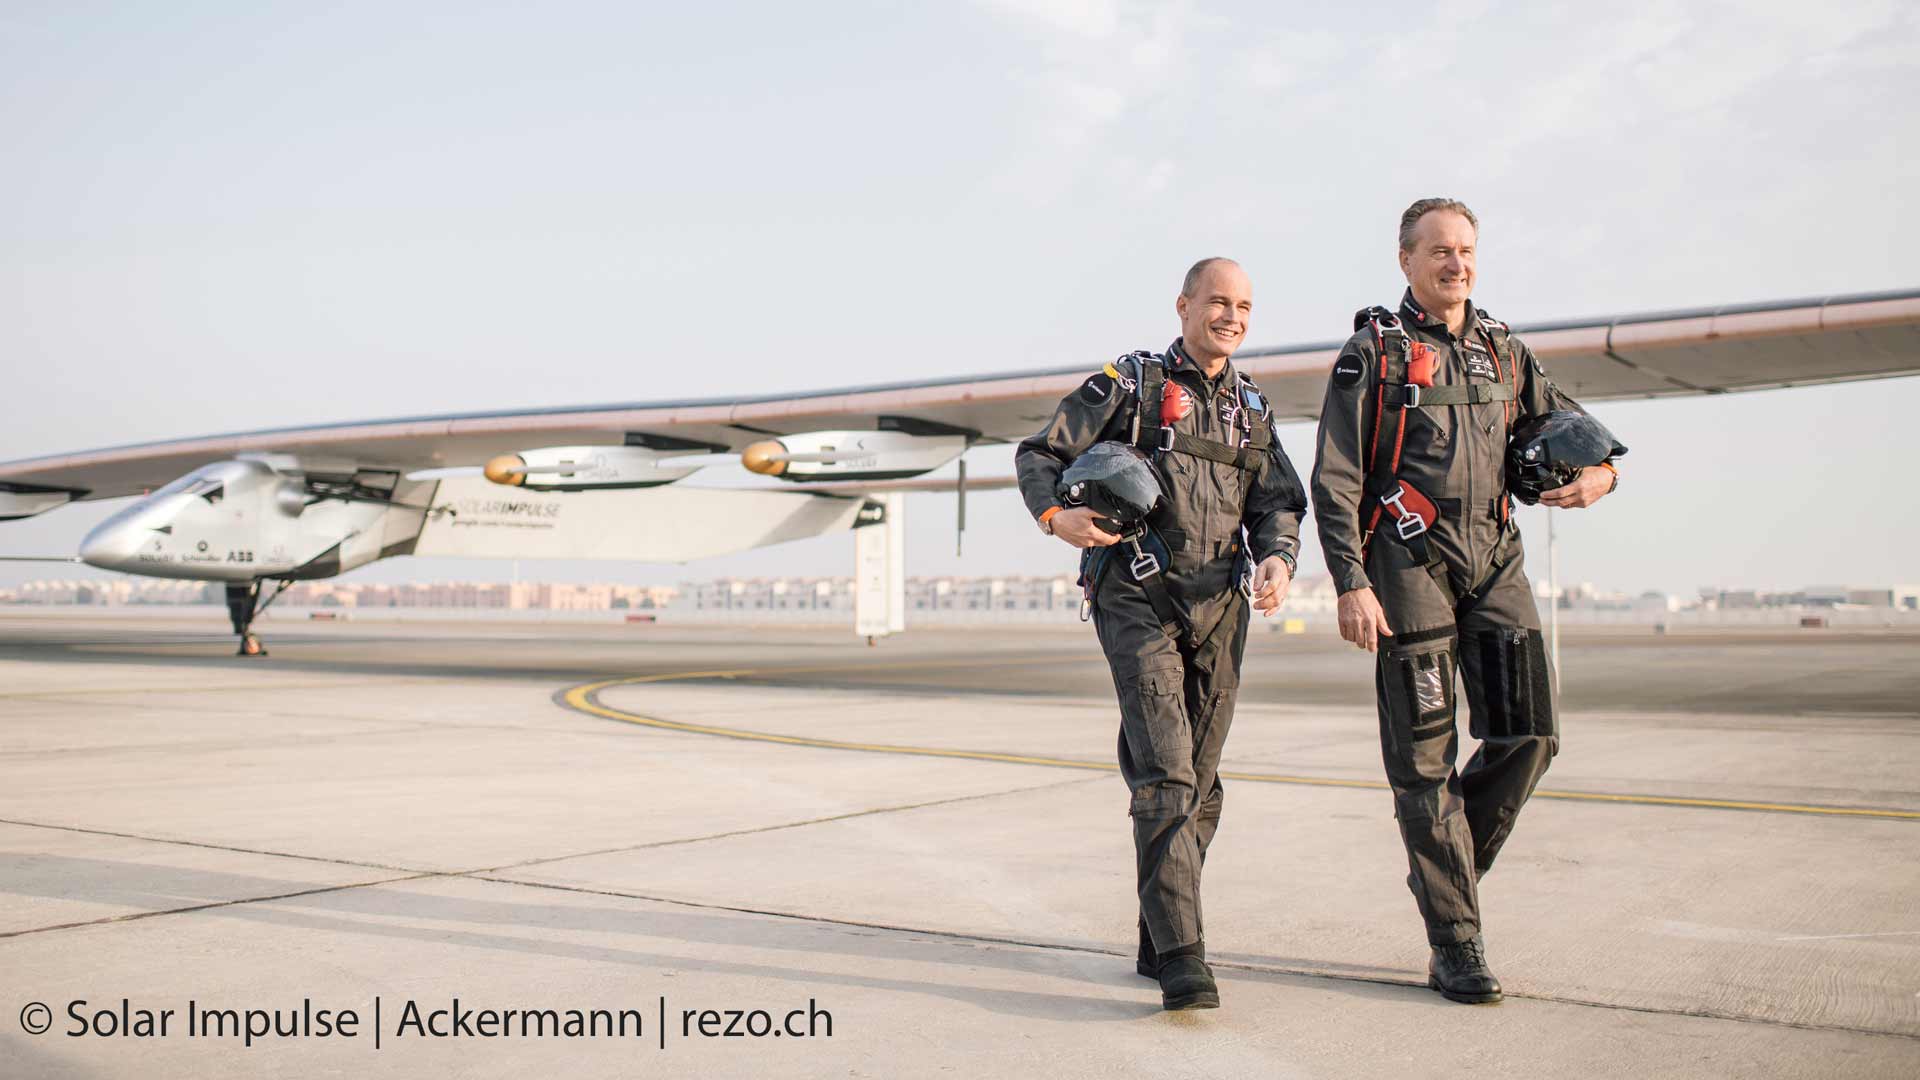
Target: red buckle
[1413,512]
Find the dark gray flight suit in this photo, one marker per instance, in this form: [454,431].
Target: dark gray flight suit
[1468,606]
[1176,690]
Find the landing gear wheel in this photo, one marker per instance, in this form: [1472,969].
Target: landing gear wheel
[245,601]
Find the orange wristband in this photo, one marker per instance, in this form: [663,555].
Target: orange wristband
[1047,514]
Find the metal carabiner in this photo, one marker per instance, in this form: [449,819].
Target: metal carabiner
[1406,522]
[1145,563]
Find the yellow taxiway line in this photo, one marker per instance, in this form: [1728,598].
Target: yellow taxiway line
[585,698]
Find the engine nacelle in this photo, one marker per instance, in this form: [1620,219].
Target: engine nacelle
[851,455]
[585,468]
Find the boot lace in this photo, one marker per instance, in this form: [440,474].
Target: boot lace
[1470,953]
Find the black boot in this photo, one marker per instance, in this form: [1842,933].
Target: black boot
[1459,972]
[1187,983]
[1147,962]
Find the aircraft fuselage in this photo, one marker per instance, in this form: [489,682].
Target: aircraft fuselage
[241,521]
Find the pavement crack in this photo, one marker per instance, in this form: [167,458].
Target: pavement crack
[780,826]
[208,846]
[135,916]
[479,874]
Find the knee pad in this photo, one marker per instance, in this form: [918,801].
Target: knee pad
[1516,688]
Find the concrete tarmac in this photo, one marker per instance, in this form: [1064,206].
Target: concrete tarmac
[920,848]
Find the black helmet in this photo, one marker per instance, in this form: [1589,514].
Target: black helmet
[1546,452]
[1115,481]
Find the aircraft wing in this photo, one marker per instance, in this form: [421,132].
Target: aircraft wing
[1663,354]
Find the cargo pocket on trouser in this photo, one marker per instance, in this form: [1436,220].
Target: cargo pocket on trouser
[1429,685]
[1515,687]
[1416,683]
[1158,766]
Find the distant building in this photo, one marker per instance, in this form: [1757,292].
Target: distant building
[833,596]
[1656,602]
[1898,597]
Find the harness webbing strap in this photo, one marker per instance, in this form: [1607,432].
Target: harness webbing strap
[1468,394]
[1151,437]
[1392,373]
[1164,609]
[1146,407]
[1249,458]
[1144,567]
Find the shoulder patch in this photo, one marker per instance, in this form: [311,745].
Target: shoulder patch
[1098,389]
[1348,370]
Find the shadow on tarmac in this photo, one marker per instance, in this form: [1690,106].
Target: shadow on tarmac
[363,911]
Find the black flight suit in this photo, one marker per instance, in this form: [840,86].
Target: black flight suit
[1468,607]
[1176,689]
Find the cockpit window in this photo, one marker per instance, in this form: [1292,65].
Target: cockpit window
[211,490]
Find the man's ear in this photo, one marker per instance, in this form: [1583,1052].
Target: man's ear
[1180,307]
[1406,271]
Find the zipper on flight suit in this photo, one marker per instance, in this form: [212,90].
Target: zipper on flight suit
[1461,372]
[1204,408]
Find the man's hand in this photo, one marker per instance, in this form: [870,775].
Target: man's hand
[1271,579]
[1076,526]
[1362,620]
[1588,488]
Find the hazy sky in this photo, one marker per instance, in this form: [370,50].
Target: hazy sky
[229,216]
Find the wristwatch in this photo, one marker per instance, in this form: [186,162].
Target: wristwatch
[1046,519]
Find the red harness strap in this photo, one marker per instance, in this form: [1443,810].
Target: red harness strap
[1379,407]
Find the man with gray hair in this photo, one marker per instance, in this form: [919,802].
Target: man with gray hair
[1409,487]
